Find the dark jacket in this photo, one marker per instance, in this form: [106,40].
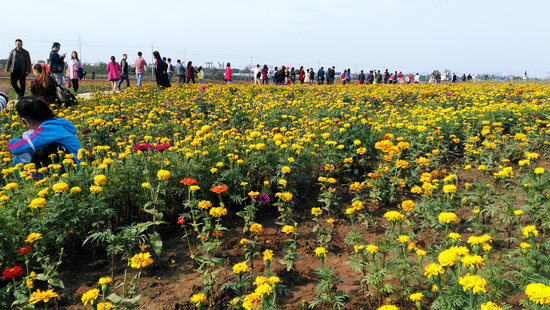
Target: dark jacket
[321,74]
[160,73]
[124,66]
[331,73]
[25,61]
[57,63]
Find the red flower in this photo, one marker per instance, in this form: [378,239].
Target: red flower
[24,250]
[181,221]
[12,272]
[188,181]
[217,234]
[203,237]
[218,189]
[385,137]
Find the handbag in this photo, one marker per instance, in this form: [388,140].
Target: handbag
[81,73]
[64,96]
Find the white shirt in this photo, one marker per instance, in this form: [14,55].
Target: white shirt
[417,78]
[256,71]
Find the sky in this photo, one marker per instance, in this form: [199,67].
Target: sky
[464,36]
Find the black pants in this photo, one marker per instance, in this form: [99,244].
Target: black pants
[74,82]
[191,79]
[18,77]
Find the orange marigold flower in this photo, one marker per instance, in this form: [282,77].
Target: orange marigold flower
[218,189]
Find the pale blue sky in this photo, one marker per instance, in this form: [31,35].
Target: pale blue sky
[477,36]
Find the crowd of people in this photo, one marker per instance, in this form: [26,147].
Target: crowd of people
[49,75]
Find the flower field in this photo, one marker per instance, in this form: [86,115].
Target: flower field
[247,197]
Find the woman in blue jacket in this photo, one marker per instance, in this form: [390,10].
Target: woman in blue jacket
[44,130]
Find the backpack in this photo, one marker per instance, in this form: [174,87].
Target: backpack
[81,73]
[64,96]
[41,157]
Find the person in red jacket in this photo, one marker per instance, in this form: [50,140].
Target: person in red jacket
[301,75]
[190,72]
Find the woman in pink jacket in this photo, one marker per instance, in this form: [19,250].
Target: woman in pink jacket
[228,74]
[74,64]
[114,72]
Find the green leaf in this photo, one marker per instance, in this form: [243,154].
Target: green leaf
[56,282]
[156,242]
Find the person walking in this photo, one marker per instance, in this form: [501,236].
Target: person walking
[200,75]
[301,75]
[311,76]
[93,75]
[265,71]
[275,75]
[114,72]
[321,76]
[292,75]
[140,64]
[43,85]
[306,77]
[348,76]
[386,77]
[228,74]
[19,66]
[417,78]
[57,63]
[169,69]
[257,75]
[190,72]
[180,71]
[161,69]
[361,77]
[330,75]
[74,65]
[124,72]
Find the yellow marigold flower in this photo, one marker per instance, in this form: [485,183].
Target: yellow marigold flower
[361,150]
[43,296]
[530,155]
[388,307]
[10,186]
[539,170]
[105,281]
[416,190]
[331,180]
[145,184]
[243,241]
[30,284]
[252,301]
[530,229]
[449,188]
[518,212]
[524,245]
[32,237]
[141,260]
[433,269]
[316,211]
[474,283]
[407,205]
[75,190]
[205,204]
[321,251]
[482,168]
[282,182]
[96,189]
[447,257]
[257,228]
[416,297]
[420,253]
[213,170]
[403,239]
[60,187]
[198,298]
[357,204]
[264,289]
[290,159]
[285,169]
[435,288]
[163,174]
[41,193]
[37,203]
[218,211]
[100,180]
[372,248]
[355,187]
[330,221]
[402,164]
[538,293]
[194,188]
[322,179]
[490,306]
[454,236]
[287,229]
[268,255]
[240,268]
[274,280]
[472,260]
[348,160]
[90,296]
[286,196]
[447,217]
[393,216]
[350,211]
[103,306]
